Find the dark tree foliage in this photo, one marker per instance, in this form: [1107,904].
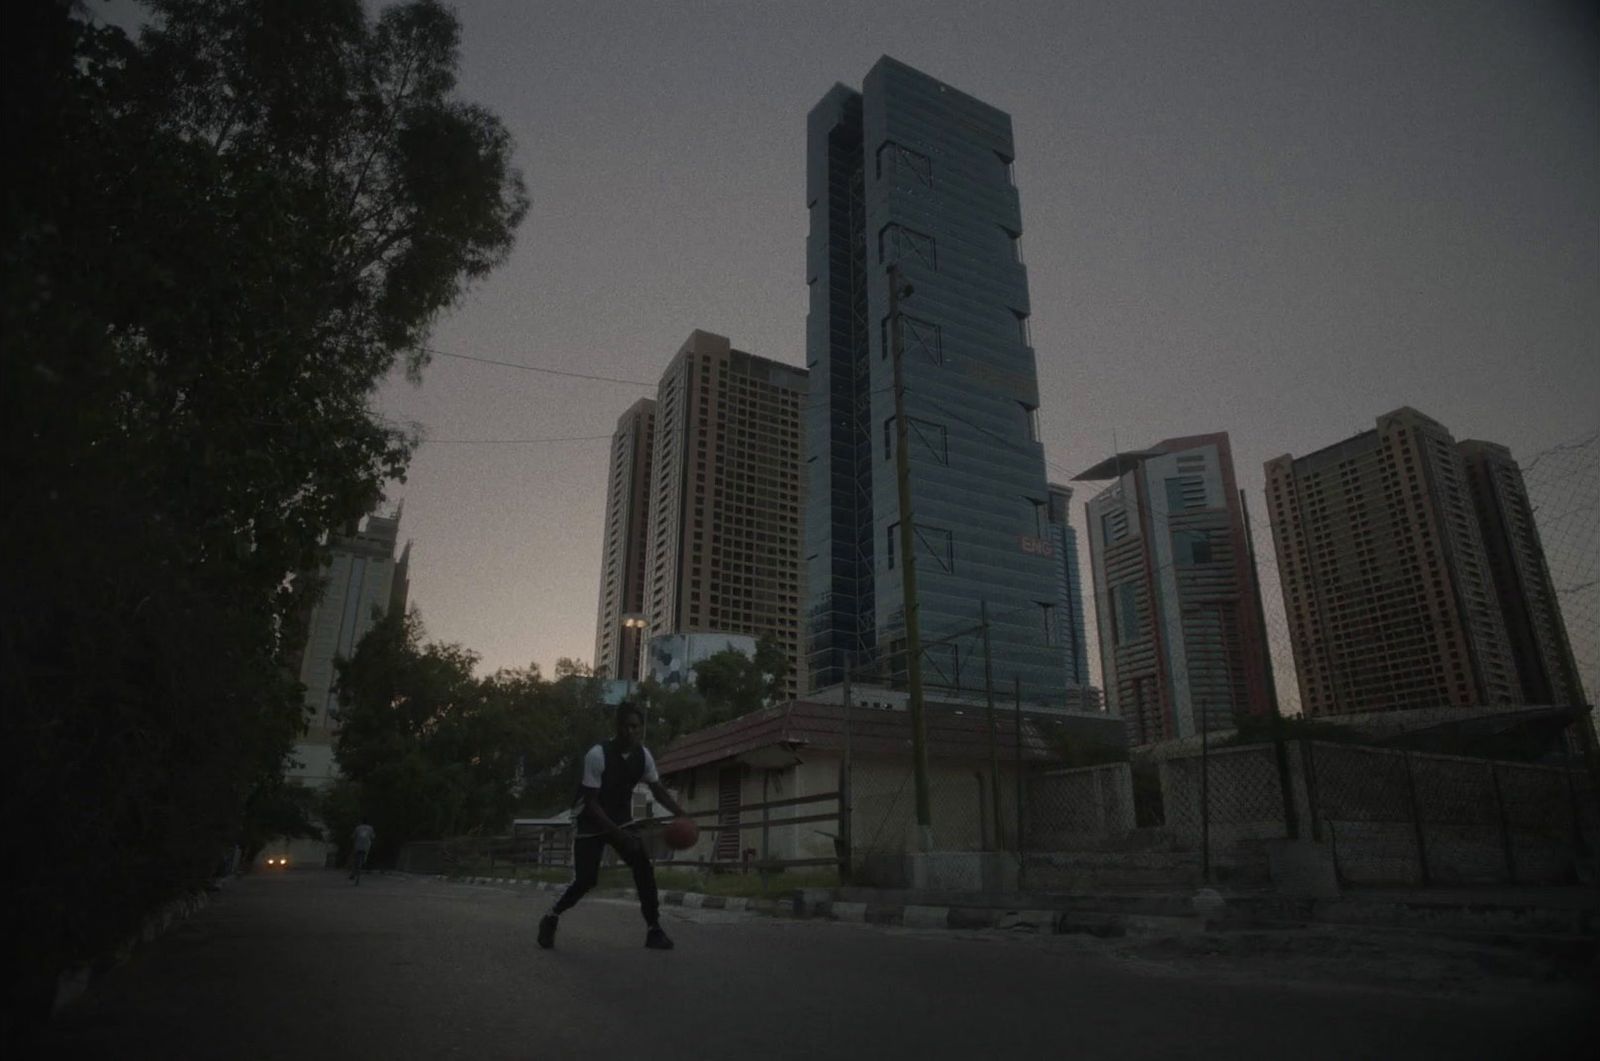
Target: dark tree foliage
[277,808]
[217,239]
[727,685]
[428,751]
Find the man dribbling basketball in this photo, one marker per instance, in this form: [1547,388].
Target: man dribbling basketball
[611,770]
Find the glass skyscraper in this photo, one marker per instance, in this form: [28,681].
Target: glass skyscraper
[911,172]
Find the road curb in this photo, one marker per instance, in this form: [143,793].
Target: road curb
[1165,917]
[809,905]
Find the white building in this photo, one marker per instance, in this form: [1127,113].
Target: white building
[364,580]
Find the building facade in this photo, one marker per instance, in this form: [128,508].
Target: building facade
[723,540]
[1387,585]
[1182,649]
[911,175]
[620,619]
[1528,603]
[1073,637]
[365,580]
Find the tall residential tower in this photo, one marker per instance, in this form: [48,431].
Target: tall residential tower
[1389,590]
[1545,665]
[723,543]
[909,173]
[620,620]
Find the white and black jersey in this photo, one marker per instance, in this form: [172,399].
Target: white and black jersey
[614,775]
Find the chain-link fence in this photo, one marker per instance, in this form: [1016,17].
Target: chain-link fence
[1396,816]
[1563,483]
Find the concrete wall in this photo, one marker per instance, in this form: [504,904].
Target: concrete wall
[1388,816]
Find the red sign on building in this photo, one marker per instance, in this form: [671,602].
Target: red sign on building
[1036,546]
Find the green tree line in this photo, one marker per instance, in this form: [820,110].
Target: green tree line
[428,750]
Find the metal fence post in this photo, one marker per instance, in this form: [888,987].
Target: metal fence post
[766,814]
[1021,831]
[846,769]
[1580,843]
[1308,762]
[994,736]
[1416,816]
[1280,752]
[1205,797]
[1505,825]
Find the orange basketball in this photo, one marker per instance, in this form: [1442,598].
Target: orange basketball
[680,833]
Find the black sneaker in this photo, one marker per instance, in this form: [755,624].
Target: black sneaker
[656,939]
[547,930]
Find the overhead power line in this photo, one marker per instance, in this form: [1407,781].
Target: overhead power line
[541,369]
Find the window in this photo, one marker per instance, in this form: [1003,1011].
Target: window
[1039,516]
[1024,330]
[933,544]
[1191,547]
[1114,526]
[918,338]
[1048,611]
[896,243]
[927,439]
[904,165]
[941,666]
[1008,163]
[1125,611]
[1014,241]
[1030,419]
[1185,492]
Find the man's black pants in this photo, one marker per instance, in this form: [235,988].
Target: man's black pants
[586,864]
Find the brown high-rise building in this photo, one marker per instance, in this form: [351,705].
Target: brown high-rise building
[725,498]
[1386,581]
[1522,580]
[619,624]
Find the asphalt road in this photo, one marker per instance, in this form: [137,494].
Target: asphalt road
[304,966]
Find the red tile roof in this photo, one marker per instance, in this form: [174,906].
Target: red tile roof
[874,732]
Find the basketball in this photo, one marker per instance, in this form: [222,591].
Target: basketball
[680,833]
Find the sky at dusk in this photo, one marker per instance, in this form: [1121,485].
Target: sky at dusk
[1273,219]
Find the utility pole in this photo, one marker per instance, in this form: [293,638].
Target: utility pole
[994,737]
[1016,686]
[846,798]
[908,570]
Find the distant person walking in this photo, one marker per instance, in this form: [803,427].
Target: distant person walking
[363,838]
[611,770]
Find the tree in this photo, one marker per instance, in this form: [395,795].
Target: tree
[568,721]
[672,712]
[277,807]
[218,238]
[430,751]
[402,710]
[734,684]
[773,663]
